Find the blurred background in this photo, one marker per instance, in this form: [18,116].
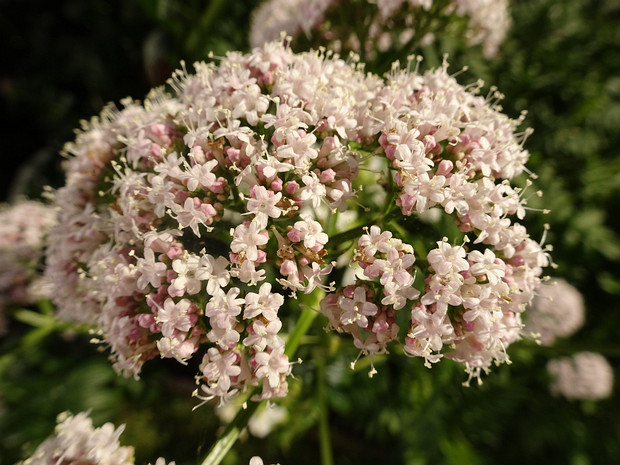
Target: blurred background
[60,62]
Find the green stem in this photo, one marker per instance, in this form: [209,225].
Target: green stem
[346,235]
[44,324]
[327,457]
[221,447]
[45,306]
[303,324]
[35,319]
[331,223]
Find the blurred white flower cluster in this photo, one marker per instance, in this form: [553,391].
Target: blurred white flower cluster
[585,375]
[382,23]
[185,221]
[76,441]
[556,311]
[23,227]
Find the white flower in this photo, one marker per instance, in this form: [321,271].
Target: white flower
[298,148]
[271,365]
[186,281]
[247,238]
[446,259]
[487,22]
[218,368]
[173,317]
[248,273]
[190,214]
[264,335]
[311,231]
[23,227]
[264,421]
[162,461]
[487,264]
[314,190]
[200,175]
[129,258]
[228,303]
[214,271]
[262,204]
[265,303]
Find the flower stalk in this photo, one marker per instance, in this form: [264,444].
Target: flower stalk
[327,455]
[230,435]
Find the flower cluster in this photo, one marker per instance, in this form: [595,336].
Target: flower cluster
[186,220]
[77,441]
[23,227]
[353,309]
[451,149]
[175,212]
[556,311]
[389,23]
[585,375]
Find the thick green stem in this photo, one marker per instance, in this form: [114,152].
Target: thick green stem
[325,442]
[35,319]
[221,447]
[347,235]
[43,324]
[303,324]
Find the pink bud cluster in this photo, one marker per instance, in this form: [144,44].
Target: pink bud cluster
[185,220]
[23,227]
[389,22]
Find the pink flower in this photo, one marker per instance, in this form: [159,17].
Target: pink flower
[357,309]
[263,335]
[151,272]
[314,191]
[487,264]
[265,303]
[173,317]
[141,252]
[190,214]
[218,369]
[200,175]
[271,366]
[76,440]
[446,259]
